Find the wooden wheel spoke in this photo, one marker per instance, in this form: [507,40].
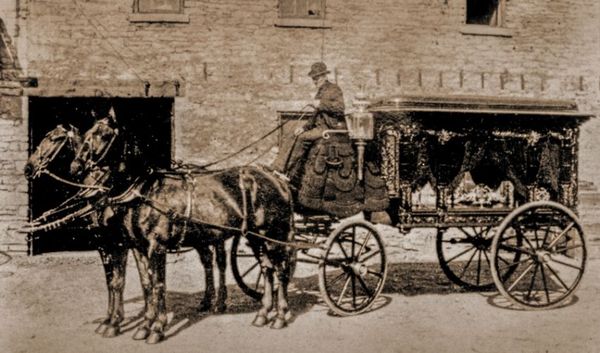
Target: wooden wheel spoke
[520,277]
[566,264]
[508,265]
[487,259]
[343,292]
[377,274]
[562,283]
[364,286]
[353,241]
[369,256]
[468,263]
[545,284]
[336,262]
[483,231]
[535,233]
[460,254]
[512,248]
[353,290]
[522,235]
[457,240]
[562,234]
[546,236]
[336,279]
[258,281]
[532,281]
[363,245]
[479,267]
[470,236]
[249,270]
[342,249]
[567,248]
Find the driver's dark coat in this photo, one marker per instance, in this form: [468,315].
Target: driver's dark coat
[330,112]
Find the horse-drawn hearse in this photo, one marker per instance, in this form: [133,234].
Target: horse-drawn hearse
[495,177]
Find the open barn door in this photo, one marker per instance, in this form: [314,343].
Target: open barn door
[147,119]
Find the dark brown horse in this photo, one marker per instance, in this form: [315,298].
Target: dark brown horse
[63,143]
[195,209]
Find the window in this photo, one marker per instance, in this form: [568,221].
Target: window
[484,12]
[302,13]
[158,11]
[159,6]
[485,17]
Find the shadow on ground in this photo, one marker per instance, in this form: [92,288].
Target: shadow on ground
[184,308]
[410,279]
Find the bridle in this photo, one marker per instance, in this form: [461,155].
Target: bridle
[44,162]
[90,163]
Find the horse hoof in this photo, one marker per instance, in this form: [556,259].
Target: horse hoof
[111,331]
[220,308]
[260,321]
[204,306]
[278,324]
[141,333]
[155,337]
[101,328]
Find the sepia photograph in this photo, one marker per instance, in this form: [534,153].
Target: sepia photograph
[389,176]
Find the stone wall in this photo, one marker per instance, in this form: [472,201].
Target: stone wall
[237,69]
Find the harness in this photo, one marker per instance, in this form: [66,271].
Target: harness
[187,218]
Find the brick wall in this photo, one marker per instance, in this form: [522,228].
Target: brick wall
[237,69]
[13,154]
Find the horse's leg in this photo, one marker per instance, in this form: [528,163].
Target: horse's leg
[206,257]
[116,286]
[158,307]
[267,299]
[282,269]
[222,265]
[143,266]
[108,273]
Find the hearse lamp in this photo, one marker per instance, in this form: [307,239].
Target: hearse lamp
[361,128]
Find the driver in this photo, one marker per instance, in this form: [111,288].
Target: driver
[329,114]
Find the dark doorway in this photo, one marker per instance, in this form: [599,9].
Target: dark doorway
[147,120]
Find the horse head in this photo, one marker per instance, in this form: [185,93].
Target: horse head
[50,147]
[96,145]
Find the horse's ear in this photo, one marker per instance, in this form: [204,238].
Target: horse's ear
[74,129]
[111,114]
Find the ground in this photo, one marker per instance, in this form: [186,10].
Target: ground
[53,303]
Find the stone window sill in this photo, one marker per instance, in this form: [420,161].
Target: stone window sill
[159,17]
[302,22]
[483,30]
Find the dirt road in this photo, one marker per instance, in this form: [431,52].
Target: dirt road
[52,303]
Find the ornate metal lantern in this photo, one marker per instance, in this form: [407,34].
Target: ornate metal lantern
[361,126]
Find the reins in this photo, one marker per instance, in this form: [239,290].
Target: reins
[263,137]
[79,185]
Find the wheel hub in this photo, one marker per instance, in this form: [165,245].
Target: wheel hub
[543,256]
[359,269]
[482,243]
